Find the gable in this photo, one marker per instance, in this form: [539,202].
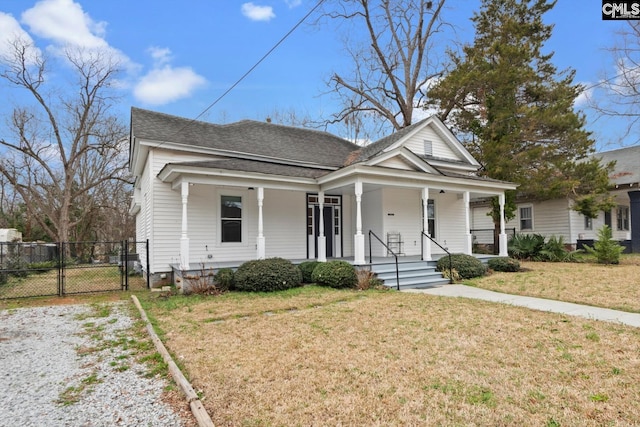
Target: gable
[427,142]
[397,163]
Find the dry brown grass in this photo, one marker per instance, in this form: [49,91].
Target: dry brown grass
[610,286]
[327,357]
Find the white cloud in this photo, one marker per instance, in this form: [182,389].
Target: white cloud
[258,13]
[64,22]
[160,55]
[293,3]
[164,83]
[10,31]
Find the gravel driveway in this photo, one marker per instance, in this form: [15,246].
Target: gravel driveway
[52,374]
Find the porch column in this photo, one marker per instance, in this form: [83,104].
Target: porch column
[426,243]
[322,240]
[358,240]
[634,207]
[503,234]
[184,238]
[467,224]
[260,246]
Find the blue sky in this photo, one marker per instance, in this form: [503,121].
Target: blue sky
[181,56]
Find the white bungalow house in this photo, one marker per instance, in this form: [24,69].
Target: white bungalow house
[214,194]
[557,218]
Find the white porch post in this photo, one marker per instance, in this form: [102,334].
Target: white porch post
[503,233]
[260,244]
[322,239]
[426,243]
[467,224]
[358,243]
[184,237]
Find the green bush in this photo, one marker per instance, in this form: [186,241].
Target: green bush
[606,250]
[554,250]
[467,266]
[307,268]
[526,246]
[336,274]
[225,279]
[266,275]
[504,264]
[42,267]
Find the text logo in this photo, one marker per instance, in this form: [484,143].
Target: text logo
[620,10]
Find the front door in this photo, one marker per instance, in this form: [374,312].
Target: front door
[332,221]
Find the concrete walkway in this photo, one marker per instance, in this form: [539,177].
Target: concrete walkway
[594,313]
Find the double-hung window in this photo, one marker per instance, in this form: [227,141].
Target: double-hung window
[231,218]
[622,214]
[526,218]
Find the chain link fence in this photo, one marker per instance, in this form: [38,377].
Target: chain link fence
[50,269]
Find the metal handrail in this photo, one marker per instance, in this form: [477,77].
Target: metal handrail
[389,250]
[441,247]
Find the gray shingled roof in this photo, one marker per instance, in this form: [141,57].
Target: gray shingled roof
[247,136]
[258,167]
[627,168]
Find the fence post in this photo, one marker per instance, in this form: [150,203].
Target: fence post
[61,269]
[126,269]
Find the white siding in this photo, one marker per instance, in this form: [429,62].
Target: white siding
[440,148]
[348,225]
[285,224]
[371,219]
[402,213]
[450,223]
[396,163]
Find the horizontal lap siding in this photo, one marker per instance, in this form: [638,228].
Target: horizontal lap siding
[440,148]
[450,223]
[405,207]
[371,219]
[285,219]
[348,226]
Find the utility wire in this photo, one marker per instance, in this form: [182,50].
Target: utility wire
[269,52]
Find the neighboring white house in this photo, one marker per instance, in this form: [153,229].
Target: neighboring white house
[207,193]
[557,218]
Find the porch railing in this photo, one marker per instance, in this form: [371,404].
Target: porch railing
[441,247]
[371,233]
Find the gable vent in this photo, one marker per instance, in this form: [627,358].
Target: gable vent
[428,147]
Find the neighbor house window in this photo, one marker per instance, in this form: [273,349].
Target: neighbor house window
[231,218]
[623,218]
[588,223]
[526,218]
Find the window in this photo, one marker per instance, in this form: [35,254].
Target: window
[588,223]
[431,219]
[622,214]
[526,218]
[231,218]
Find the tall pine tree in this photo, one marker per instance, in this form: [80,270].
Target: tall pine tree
[516,111]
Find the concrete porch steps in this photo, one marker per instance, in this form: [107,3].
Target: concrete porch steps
[412,275]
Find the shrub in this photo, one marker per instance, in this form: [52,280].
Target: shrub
[367,280]
[42,267]
[467,266]
[606,250]
[225,278]
[554,250]
[267,275]
[336,274]
[306,268]
[504,264]
[525,246]
[200,282]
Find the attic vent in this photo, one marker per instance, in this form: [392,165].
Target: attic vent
[428,148]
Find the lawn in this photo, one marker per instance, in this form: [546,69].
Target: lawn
[314,356]
[610,286]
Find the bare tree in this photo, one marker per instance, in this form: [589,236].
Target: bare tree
[392,65]
[66,145]
[622,89]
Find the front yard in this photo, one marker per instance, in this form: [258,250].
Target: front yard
[611,286]
[316,356]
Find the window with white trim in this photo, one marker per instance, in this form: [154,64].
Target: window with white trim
[231,219]
[622,214]
[588,223]
[526,218]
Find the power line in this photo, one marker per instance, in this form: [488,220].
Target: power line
[269,52]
